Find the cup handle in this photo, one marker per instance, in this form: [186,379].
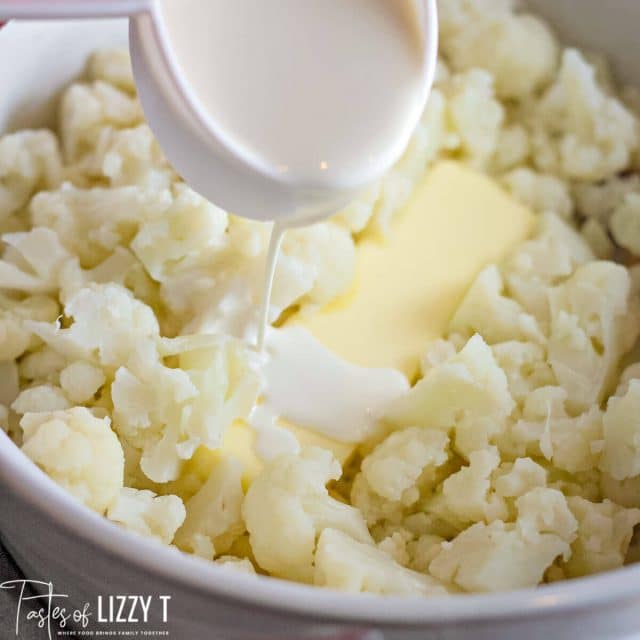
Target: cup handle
[69,9]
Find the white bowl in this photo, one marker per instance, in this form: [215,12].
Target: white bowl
[53,538]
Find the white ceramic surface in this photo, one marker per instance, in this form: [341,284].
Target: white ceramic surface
[54,538]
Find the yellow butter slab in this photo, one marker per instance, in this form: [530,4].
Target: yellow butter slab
[409,284]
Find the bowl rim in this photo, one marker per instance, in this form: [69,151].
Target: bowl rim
[32,487]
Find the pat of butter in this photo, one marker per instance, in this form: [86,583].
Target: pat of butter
[409,284]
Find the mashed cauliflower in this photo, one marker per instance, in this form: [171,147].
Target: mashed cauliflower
[514,459]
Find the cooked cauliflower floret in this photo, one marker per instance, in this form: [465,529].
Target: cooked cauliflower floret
[343,563]
[169,412]
[487,311]
[77,450]
[544,421]
[86,109]
[92,223]
[124,157]
[467,496]
[422,551]
[621,425]
[604,534]
[593,323]
[572,443]
[108,323]
[455,15]
[373,507]
[396,463]
[112,66]
[553,254]
[44,398]
[15,336]
[81,381]
[525,365]
[288,506]
[143,392]
[513,150]
[29,160]
[468,392]
[33,262]
[329,250]
[437,353]
[191,230]
[625,223]
[519,477]
[147,513]
[476,115]
[42,365]
[540,192]
[496,557]
[219,291]
[580,131]
[214,517]
[545,511]
[576,442]
[395,546]
[519,50]
[121,268]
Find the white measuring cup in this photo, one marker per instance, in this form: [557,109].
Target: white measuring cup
[197,146]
